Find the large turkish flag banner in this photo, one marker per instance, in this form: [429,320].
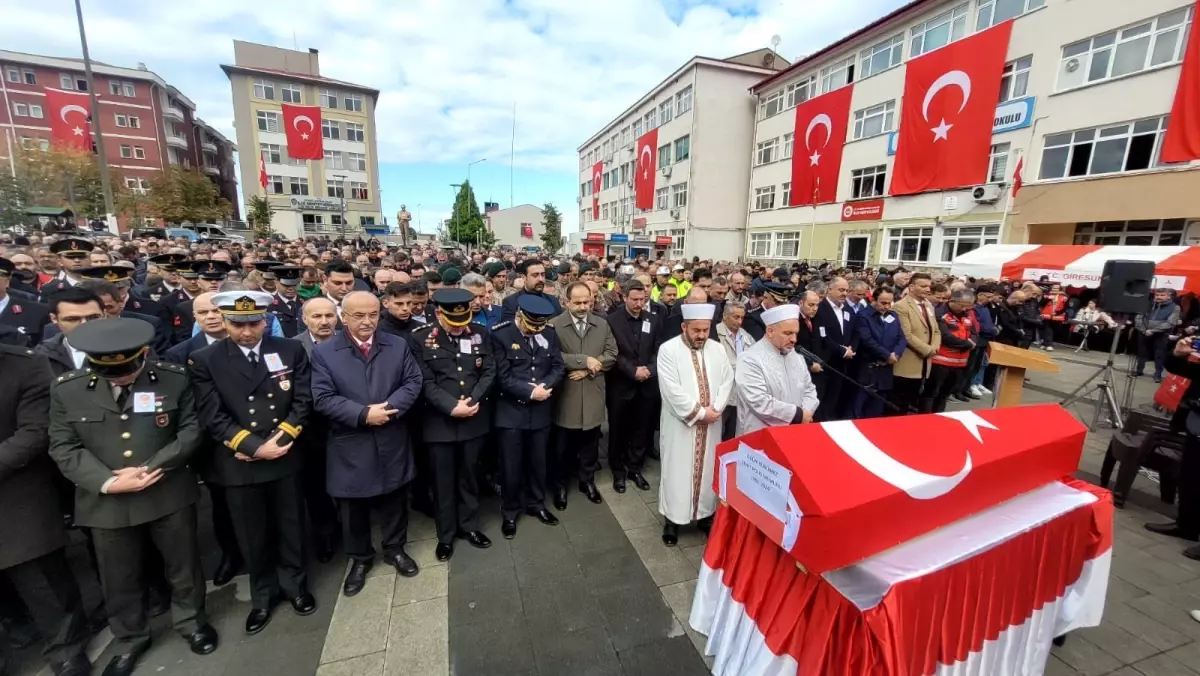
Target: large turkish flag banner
[70,121]
[1182,142]
[302,124]
[817,143]
[597,172]
[949,106]
[643,180]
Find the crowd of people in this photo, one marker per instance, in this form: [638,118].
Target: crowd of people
[310,386]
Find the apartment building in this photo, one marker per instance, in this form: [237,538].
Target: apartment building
[518,227]
[147,123]
[336,195]
[1084,101]
[704,114]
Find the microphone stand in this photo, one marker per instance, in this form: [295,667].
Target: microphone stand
[826,368]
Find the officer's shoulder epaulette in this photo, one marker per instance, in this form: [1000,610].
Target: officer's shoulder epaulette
[423,327]
[73,375]
[168,367]
[16,351]
[501,325]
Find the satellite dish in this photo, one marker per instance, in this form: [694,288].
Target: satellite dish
[775,40]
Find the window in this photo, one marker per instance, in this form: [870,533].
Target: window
[787,245]
[787,195]
[664,156]
[939,31]
[275,185]
[122,121]
[1166,232]
[683,100]
[637,129]
[353,102]
[35,111]
[312,219]
[868,181]
[625,173]
[1107,150]
[604,211]
[81,84]
[660,199]
[114,87]
[333,159]
[837,75]
[366,220]
[355,132]
[330,129]
[1121,52]
[992,12]
[127,152]
[336,189]
[135,122]
[665,112]
[607,181]
[66,81]
[651,119]
[760,245]
[910,245]
[117,88]
[336,219]
[298,186]
[358,162]
[358,190]
[291,94]
[21,109]
[625,139]
[998,163]
[788,143]
[264,89]
[678,242]
[139,153]
[1014,84]
[799,92]
[881,56]
[30,77]
[764,198]
[683,148]
[766,151]
[679,195]
[771,105]
[271,153]
[12,74]
[137,184]
[268,120]
[875,120]
[293,161]
[329,99]
[960,240]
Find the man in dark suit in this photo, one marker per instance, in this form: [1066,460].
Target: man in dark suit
[72,255]
[209,275]
[632,387]
[69,310]
[254,396]
[28,318]
[673,321]
[534,273]
[286,305]
[835,323]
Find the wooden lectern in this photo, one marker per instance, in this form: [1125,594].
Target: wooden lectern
[1013,362]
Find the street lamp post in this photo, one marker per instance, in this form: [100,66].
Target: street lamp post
[106,188]
[341,179]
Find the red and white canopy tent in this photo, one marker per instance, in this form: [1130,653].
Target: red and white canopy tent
[1176,267]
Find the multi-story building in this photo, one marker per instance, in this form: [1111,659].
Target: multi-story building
[704,115]
[339,194]
[1084,101]
[518,227]
[147,124]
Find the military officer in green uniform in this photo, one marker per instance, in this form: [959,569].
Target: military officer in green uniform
[122,429]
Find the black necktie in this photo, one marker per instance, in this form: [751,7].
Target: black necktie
[122,396]
[253,358]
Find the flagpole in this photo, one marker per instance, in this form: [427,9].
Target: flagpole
[812,224]
[512,150]
[110,212]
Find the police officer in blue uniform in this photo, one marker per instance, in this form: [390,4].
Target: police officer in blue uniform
[529,365]
[286,306]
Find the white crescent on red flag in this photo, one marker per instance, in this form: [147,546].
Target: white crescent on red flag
[1182,141]
[820,134]
[302,125]
[643,179]
[70,121]
[597,174]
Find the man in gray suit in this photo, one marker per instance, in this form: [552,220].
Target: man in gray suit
[588,350]
[319,319]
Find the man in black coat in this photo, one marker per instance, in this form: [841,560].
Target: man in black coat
[209,275]
[72,255]
[1187,524]
[632,392]
[835,322]
[286,304]
[29,318]
[534,273]
[773,293]
[253,394]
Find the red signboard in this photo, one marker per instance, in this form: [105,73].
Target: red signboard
[662,241]
[595,237]
[867,210]
[639,223]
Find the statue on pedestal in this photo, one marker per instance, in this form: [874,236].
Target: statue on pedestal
[403,218]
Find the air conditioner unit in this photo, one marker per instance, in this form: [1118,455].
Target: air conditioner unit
[675,214]
[579,199]
[629,183]
[666,171]
[986,194]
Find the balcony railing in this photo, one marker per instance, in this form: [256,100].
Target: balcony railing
[211,170]
[173,113]
[208,146]
[177,141]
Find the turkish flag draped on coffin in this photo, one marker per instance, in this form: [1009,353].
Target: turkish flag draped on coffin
[819,136]
[1182,142]
[643,181]
[949,105]
[302,124]
[70,121]
[597,172]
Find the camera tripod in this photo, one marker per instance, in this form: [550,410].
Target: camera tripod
[1103,391]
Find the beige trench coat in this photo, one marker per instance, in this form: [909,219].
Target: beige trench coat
[923,340]
[579,404]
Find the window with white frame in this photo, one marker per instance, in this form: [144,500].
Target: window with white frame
[959,240]
[998,163]
[799,92]
[357,161]
[331,129]
[837,75]
[335,189]
[329,99]
[939,31]
[333,159]
[664,156]
[21,110]
[788,143]
[114,87]
[651,119]
[1155,232]
[661,199]
[118,88]
[293,161]
[29,76]
[637,129]
[355,132]
[35,111]
[908,245]
[683,148]
[127,152]
[678,243]
[787,244]
[275,185]
[771,105]
[268,120]
[880,56]
[760,245]
[604,211]
[868,181]
[876,120]
[766,152]
[353,102]
[786,200]
[271,153]
[679,195]
[1132,146]
[137,184]
[607,181]
[312,219]
[291,94]
[128,89]
[625,140]
[336,219]
[139,153]
[683,100]
[264,89]
[992,12]
[12,74]
[764,198]
[66,81]
[135,122]
[625,173]
[1014,84]
[121,120]
[666,111]
[358,191]
[298,185]
[1149,44]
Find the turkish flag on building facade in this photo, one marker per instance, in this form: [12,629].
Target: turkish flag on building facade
[302,124]
[817,143]
[643,180]
[597,173]
[70,121]
[1182,142]
[527,230]
[1018,179]
[262,171]
[949,106]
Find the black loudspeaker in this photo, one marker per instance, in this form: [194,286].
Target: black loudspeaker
[1125,286]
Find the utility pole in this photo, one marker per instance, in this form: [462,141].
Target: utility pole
[341,179]
[110,211]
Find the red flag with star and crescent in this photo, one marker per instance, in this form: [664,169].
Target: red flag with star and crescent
[817,143]
[70,121]
[643,180]
[1182,141]
[597,174]
[302,124]
[949,106]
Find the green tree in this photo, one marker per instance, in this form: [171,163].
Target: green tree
[179,195]
[259,213]
[61,177]
[552,239]
[466,225]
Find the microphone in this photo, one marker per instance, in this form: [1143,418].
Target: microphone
[825,367]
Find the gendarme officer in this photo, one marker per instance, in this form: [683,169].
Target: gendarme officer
[458,369]
[122,430]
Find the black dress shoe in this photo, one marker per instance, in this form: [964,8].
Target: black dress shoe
[639,481]
[226,570]
[357,577]
[204,640]
[475,538]
[1192,552]
[257,620]
[324,550]
[508,528]
[544,516]
[304,604]
[619,485]
[123,665]
[1171,529]
[76,666]
[403,563]
[670,536]
[444,551]
[560,498]
[589,489]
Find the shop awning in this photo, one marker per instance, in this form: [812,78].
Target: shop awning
[1175,267]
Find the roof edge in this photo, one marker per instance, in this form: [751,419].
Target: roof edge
[230,69]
